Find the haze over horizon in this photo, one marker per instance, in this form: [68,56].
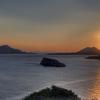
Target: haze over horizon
[50,25]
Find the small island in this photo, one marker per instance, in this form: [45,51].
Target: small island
[51,63]
[53,93]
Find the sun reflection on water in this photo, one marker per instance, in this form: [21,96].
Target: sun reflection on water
[95,90]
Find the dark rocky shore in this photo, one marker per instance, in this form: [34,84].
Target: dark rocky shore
[53,93]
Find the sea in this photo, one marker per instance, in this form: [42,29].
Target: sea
[22,74]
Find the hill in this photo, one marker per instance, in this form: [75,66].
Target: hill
[89,51]
[84,51]
[5,49]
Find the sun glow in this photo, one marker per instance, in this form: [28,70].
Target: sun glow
[97,39]
[95,90]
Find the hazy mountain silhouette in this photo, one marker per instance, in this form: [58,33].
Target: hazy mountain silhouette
[5,49]
[85,51]
[89,51]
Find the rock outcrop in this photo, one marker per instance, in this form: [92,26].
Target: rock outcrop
[51,63]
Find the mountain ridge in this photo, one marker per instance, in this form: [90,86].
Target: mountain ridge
[84,51]
[89,50]
[6,49]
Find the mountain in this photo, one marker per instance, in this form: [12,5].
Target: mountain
[89,51]
[5,49]
[85,51]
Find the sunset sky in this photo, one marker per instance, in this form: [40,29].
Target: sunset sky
[50,25]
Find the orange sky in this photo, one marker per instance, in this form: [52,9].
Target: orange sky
[27,44]
[50,25]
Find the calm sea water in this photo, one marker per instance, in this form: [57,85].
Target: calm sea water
[21,75]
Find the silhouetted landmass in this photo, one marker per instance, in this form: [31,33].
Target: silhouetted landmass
[5,49]
[89,51]
[85,51]
[51,63]
[60,53]
[94,57]
[54,93]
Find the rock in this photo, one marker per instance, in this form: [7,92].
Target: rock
[54,93]
[51,63]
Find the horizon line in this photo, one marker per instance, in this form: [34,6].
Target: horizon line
[47,51]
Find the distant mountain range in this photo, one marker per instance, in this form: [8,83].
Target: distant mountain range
[5,49]
[84,51]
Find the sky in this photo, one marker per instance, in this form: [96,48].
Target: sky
[50,25]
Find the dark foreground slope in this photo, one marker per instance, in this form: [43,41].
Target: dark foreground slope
[54,93]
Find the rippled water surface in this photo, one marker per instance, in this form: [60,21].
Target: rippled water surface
[21,75]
